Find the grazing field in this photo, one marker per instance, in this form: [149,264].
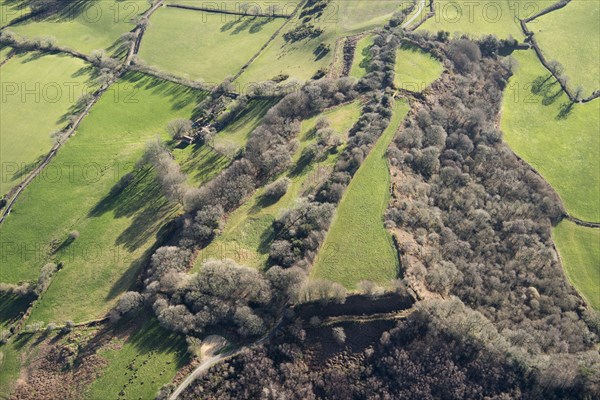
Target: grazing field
[141,364]
[361,57]
[557,138]
[578,49]
[86,25]
[235,135]
[476,19]
[37,93]
[4,53]
[116,226]
[10,10]
[357,246]
[579,249]
[205,46]
[248,232]
[303,58]
[9,369]
[354,16]
[415,69]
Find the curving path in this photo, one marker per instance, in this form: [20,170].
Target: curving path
[417,13]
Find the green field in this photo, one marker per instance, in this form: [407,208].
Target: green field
[302,59]
[235,135]
[87,25]
[205,46]
[578,47]
[9,369]
[247,234]
[116,228]
[141,365]
[4,53]
[579,249]
[560,140]
[361,57]
[37,93]
[10,10]
[357,246]
[415,69]
[285,8]
[495,17]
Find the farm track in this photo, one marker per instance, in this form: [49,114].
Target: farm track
[121,70]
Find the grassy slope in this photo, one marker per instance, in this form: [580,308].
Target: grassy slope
[154,354]
[115,230]
[9,369]
[571,36]
[10,10]
[357,246]
[42,96]
[361,57]
[246,235]
[563,150]
[97,26]
[237,132]
[298,59]
[579,249]
[497,17]
[203,45]
[415,69]
[4,53]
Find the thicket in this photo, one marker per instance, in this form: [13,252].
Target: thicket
[444,350]
[481,218]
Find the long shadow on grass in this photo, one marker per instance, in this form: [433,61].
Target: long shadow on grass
[57,11]
[136,195]
[180,96]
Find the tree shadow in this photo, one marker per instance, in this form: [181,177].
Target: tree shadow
[56,10]
[306,158]
[230,24]
[12,307]
[28,168]
[565,110]
[179,95]
[266,238]
[258,25]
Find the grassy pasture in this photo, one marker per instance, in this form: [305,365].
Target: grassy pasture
[4,53]
[571,36]
[579,249]
[141,364]
[9,369]
[116,227]
[357,246]
[302,59]
[361,57]
[87,25]
[476,19]
[247,233]
[235,135]
[236,6]
[10,10]
[558,139]
[37,93]
[415,69]
[200,45]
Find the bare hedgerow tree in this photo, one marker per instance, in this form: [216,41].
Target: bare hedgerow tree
[277,189]
[339,335]
[179,127]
